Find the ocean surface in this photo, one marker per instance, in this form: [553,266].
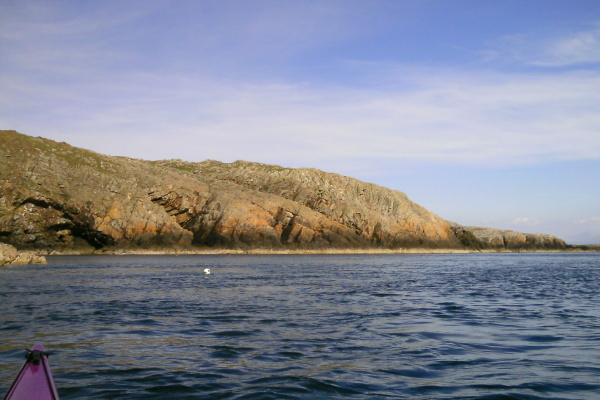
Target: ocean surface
[463,326]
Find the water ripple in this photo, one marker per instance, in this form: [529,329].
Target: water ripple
[434,327]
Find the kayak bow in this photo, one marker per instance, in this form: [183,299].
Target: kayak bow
[34,381]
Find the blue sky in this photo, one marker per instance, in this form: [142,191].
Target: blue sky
[485,112]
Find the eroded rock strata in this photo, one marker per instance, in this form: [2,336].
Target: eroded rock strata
[55,196]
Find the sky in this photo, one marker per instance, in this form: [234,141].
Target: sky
[485,112]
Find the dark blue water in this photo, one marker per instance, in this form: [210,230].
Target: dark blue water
[468,326]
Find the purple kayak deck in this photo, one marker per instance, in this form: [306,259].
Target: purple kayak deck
[34,382]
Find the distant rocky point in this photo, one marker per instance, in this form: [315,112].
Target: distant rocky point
[58,197]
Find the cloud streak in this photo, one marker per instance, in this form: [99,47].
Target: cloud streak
[578,49]
[94,86]
[590,221]
[474,119]
[581,48]
[526,221]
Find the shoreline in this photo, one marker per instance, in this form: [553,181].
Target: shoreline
[174,252]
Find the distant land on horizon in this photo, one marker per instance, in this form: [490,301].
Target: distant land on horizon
[58,197]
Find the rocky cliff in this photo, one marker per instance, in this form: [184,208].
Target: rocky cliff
[55,196]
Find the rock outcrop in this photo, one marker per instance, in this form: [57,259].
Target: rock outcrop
[55,196]
[489,238]
[375,216]
[9,255]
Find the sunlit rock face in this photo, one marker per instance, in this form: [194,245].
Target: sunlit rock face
[55,196]
[9,255]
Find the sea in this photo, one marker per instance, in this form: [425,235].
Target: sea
[405,326]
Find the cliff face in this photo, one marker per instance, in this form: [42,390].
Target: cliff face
[381,216]
[53,195]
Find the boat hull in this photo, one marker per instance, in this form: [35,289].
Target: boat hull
[34,381]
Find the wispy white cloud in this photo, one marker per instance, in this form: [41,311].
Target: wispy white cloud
[526,221]
[49,43]
[476,119]
[580,48]
[589,221]
[71,76]
[484,120]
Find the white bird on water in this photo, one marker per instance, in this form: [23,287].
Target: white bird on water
[207,271]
